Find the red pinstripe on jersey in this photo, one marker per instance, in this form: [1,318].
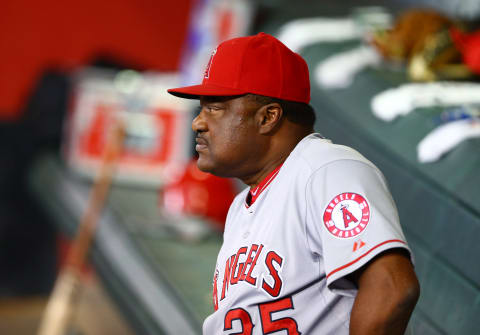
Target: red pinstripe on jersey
[363,255]
[256,191]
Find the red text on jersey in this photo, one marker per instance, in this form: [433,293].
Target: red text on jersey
[215,294]
[273,257]
[239,268]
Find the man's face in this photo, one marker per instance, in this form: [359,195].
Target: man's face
[226,136]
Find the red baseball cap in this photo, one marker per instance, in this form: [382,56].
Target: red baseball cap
[258,64]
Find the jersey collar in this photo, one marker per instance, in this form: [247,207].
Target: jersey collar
[255,192]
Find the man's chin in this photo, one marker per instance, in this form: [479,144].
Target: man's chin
[203,165]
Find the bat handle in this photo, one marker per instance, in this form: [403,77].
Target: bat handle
[59,310]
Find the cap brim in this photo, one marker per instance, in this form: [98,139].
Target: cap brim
[196,91]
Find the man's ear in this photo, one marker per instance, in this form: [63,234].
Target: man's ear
[268,117]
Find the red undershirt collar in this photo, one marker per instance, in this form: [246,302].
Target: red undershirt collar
[256,191]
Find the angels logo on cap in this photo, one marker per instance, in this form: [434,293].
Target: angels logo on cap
[209,64]
[347,215]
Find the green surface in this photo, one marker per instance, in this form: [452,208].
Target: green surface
[187,265]
[189,268]
[447,298]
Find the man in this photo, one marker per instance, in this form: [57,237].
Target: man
[313,245]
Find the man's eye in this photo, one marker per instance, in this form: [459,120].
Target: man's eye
[208,109]
[213,108]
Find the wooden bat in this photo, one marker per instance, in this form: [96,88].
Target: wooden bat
[61,304]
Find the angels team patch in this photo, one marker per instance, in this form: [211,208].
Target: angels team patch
[347,215]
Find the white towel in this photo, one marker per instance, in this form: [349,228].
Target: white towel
[339,70]
[393,102]
[445,137]
[302,32]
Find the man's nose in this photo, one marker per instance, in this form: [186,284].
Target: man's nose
[198,123]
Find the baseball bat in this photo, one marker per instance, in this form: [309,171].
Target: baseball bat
[61,304]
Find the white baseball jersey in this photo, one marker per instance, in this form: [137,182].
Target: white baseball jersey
[283,264]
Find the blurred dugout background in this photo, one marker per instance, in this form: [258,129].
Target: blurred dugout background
[396,82]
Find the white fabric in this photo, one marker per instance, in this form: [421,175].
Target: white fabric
[301,267]
[338,71]
[446,137]
[394,102]
[302,32]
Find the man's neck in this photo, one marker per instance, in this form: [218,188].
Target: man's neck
[255,179]
[279,152]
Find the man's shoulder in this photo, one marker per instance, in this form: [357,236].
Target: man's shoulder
[317,152]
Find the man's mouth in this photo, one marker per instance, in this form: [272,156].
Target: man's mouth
[201,144]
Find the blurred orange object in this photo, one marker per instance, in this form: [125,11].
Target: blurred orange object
[200,194]
[411,31]
[422,39]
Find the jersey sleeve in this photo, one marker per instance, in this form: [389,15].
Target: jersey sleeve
[351,218]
